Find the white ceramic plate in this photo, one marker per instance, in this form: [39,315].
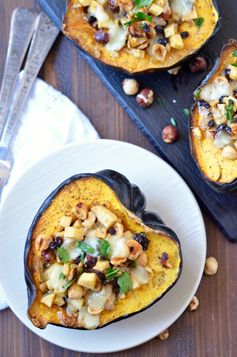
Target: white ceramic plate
[166,194]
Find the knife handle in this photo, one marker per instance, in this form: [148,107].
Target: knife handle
[21,31]
[43,39]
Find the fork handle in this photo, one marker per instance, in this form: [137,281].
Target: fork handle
[21,31]
[43,39]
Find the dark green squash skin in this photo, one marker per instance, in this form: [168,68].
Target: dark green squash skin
[218,187]
[62,4]
[132,198]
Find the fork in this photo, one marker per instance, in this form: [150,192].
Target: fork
[42,40]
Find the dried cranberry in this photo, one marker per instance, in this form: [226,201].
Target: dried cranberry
[146,28]
[90,261]
[203,103]
[112,231]
[116,287]
[164,257]
[141,238]
[184,34]
[48,255]
[162,41]
[228,129]
[101,276]
[159,29]
[211,123]
[77,260]
[56,243]
[226,73]
[92,19]
[221,127]
[235,93]
[221,99]
[101,36]
[113,5]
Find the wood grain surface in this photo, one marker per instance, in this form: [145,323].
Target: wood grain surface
[208,332]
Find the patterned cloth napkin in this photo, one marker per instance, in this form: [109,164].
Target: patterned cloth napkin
[49,121]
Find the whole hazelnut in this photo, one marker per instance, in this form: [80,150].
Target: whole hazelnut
[194,303]
[170,134]
[164,335]
[145,98]
[130,86]
[198,64]
[211,266]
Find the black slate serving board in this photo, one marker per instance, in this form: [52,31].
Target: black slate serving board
[173,94]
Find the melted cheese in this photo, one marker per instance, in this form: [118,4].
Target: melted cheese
[117,38]
[86,320]
[140,275]
[119,248]
[218,88]
[54,282]
[182,7]
[97,300]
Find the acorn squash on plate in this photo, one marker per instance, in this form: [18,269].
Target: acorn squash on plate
[94,256]
[213,126]
[141,35]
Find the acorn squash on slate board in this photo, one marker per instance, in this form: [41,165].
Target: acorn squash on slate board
[59,265]
[172,95]
[213,125]
[157,36]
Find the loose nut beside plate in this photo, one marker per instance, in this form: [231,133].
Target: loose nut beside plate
[211,266]
[194,303]
[130,86]
[164,335]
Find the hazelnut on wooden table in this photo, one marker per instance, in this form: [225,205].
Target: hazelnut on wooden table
[164,335]
[130,86]
[198,64]
[170,134]
[145,98]
[194,303]
[211,266]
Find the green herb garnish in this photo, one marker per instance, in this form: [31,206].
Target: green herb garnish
[62,276]
[186,112]
[138,16]
[104,248]
[142,3]
[234,53]
[68,283]
[197,93]
[160,101]
[230,110]
[199,21]
[173,122]
[234,64]
[63,255]
[124,282]
[85,247]
[112,273]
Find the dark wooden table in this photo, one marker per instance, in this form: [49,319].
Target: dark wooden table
[212,329]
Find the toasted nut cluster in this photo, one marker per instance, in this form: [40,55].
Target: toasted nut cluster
[170,134]
[145,98]
[198,64]
[211,266]
[164,335]
[130,86]
[193,304]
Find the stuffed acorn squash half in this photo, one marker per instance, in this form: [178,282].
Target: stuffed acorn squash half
[141,35]
[213,129]
[93,256]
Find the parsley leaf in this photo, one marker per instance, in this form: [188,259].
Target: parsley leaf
[142,3]
[124,282]
[230,110]
[199,21]
[197,93]
[186,112]
[173,122]
[85,247]
[63,255]
[138,16]
[234,64]
[111,273]
[234,54]
[104,248]
[68,283]
[61,276]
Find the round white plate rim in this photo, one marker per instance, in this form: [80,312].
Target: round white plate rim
[192,292]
